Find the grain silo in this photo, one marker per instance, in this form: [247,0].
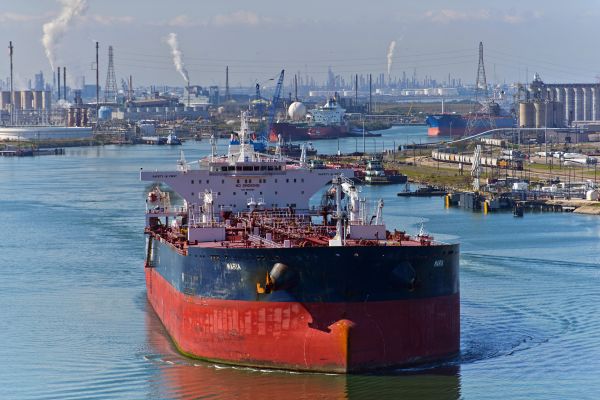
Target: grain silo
[5,100]
[558,114]
[16,100]
[526,115]
[47,100]
[38,100]
[26,100]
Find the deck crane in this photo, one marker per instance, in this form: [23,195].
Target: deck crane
[263,137]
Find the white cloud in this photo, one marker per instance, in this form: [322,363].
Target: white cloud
[447,15]
[511,16]
[184,21]
[238,18]
[111,19]
[7,17]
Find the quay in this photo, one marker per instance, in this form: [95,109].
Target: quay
[31,152]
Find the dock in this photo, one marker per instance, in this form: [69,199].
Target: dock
[31,152]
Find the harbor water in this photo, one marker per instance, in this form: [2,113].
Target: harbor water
[75,323]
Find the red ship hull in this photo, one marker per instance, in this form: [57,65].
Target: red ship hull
[317,336]
[293,131]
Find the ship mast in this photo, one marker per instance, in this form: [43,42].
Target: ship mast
[243,133]
[213,147]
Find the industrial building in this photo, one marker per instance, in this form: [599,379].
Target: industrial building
[44,132]
[160,113]
[559,104]
[26,100]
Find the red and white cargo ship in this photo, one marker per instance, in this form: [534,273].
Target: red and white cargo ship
[246,272]
[323,122]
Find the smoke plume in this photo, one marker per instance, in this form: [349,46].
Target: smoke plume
[55,29]
[390,56]
[177,56]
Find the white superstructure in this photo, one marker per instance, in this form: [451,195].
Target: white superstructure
[329,114]
[244,178]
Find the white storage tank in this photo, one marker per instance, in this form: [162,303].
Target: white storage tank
[297,111]
[591,195]
[105,113]
[520,186]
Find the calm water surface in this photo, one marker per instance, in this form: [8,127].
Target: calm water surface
[75,324]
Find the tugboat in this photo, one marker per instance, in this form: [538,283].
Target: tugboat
[246,272]
[375,174]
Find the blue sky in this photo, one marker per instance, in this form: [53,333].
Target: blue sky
[256,39]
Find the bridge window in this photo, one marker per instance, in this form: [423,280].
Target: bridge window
[270,168]
[294,180]
[192,181]
[256,168]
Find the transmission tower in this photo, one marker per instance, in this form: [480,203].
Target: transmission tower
[480,120]
[110,89]
[481,90]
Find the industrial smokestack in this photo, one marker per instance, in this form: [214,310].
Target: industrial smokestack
[65,83]
[370,93]
[356,90]
[58,72]
[227,83]
[12,89]
[130,87]
[296,87]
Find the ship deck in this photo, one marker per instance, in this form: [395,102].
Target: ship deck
[275,229]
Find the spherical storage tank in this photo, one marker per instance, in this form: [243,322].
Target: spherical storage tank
[297,111]
[105,113]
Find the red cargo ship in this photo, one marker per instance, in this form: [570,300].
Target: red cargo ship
[247,273]
[324,122]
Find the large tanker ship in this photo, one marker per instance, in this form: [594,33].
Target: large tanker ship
[246,272]
[445,124]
